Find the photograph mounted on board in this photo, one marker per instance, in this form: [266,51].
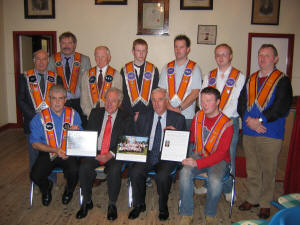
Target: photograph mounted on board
[196,4]
[265,12]
[207,34]
[39,9]
[110,2]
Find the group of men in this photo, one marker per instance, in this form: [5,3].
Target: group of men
[60,93]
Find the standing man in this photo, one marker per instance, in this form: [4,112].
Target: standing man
[211,134]
[140,77]
[182,79]
[111,123]
[48,135]
[263,106]
[33,94]
[70,66]
[96,81]
[151,124]
[229,81]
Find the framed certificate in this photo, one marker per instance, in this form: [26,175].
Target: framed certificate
[132,148]
[81,143]
[175,145]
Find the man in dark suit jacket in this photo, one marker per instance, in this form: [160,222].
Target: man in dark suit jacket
[147,125]
[30,103]
[111,123]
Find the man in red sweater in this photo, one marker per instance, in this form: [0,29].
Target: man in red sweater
[211,134]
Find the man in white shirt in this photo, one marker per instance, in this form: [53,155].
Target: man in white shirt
[229,81]
[182,78]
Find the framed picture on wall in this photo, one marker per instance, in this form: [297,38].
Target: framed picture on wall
[207,34]
[39,9]
[265,12]
[196,4]
[284,43]
[110,2]
[153,17]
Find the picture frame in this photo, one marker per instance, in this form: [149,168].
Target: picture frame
[207,34]
[196,4]
[153,17]
[39,9]
[265,12]
[110,2]
[284,44]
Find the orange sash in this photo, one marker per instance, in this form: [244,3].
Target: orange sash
[75,71]
[108,78]
[263,96]
[132,87]
[50,132]
[209,146]
[35,91]
[227,90]
[184,81]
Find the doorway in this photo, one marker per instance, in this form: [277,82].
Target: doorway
[25,43]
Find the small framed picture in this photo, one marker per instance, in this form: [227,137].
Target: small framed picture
[110,2]
[207,34]
[196,4]
[153,17]
[265,12]
[39,9]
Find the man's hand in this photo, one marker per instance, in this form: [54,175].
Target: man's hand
[104,157]
[74,127]
[254,124]
[136,116]
[189,162]
[169,128]
[61,153]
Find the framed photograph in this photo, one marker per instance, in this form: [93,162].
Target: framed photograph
[39,9]
[196,4]
[153,17]
[132,148]
[110,2]
[265,12]
[207,34]
[284,44]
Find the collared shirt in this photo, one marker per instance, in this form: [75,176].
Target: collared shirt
[195,83]
[37,129]
[70,95]
[38,77]
[113,118]
[103,72]
[163,122]
[230,109]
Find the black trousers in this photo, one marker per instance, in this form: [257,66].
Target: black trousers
[87,175]
[43,166]
[138,174]
[75,104]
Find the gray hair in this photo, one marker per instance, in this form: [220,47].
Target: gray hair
[105,47]
[160,90]
[58,88]
[117,90]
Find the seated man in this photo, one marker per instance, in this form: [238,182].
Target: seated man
[211,133]
[152,124]
[111,123]
[48,135]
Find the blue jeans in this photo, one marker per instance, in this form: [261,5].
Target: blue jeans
[215,174]
[228,184]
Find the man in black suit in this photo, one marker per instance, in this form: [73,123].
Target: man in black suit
[152,124]
[111,123]
[33,92]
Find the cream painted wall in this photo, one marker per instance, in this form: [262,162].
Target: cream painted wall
[116,27]
[3,91]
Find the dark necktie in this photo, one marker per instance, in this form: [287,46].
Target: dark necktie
[42,83]
[154,154]
[100,77]
[67,69]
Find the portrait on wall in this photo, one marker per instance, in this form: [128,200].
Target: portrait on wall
[39,9]
[265,12]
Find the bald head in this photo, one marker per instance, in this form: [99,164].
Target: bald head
[102,56]
[40,60]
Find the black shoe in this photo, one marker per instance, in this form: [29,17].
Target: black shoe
[67,196]
[47,197]
[163,215]
[84,210]
[112,213]
[136,211]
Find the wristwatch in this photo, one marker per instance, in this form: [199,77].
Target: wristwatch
[180,108]
[260,119]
